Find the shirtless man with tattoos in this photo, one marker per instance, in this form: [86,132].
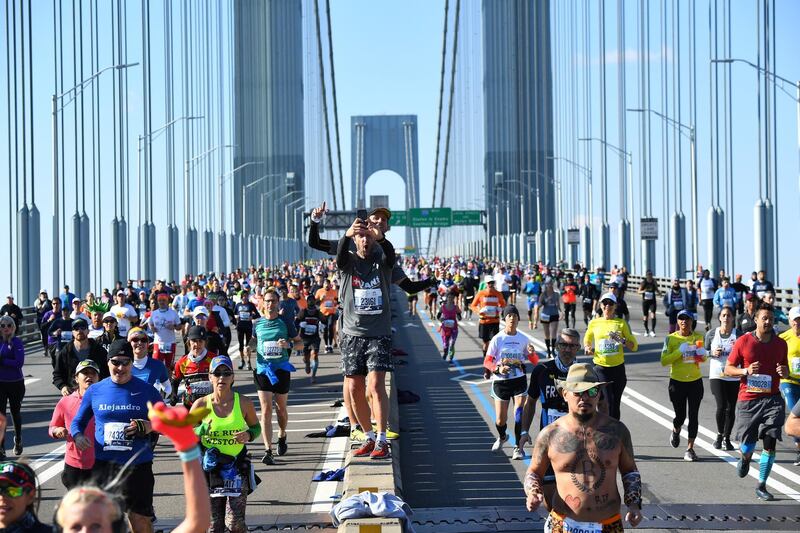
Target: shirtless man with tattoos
[586,448]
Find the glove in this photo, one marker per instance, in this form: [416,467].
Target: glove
[684,347]
[177,424]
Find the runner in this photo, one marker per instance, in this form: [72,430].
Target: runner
[708,289]
[12,380]
[125,313]
[79,348]
[244,313]
[276,337]
[674,302]
[683,352]
[149,369]
[569,295]
[309,319]
[230,424]
[746,322]
[119,406]
[164,322]
[532,289]
[790,385]
[110,331]
[542,387]
[19,499]
[329,301]
[487,303]
[589,500]
[760,359]
[649,291]
[449,316]
[192,368]
[607,338]
[719,342]
[504,364]
[549,314]
[726,296]
[78,464]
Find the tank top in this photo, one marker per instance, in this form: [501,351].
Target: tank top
[716,367]
[222,434]
[449,318]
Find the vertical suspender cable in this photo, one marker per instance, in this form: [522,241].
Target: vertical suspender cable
[325,105]
[24,107]
[439,119]
[731,241]
[114,107]
[83,114]
[30,103]
[335,101]
[16,115]
[774,244]
[10,135]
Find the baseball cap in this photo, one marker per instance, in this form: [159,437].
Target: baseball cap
[201,310]
[381,211]
[510,310]
[794,312]
[197,333]
[120,347]
[749,296]
[17,474]
[684,314]
[220,360]
[79,323]
[120,293]
[9,295]
[609,296]
[109,316]
[86,363]
[76,300]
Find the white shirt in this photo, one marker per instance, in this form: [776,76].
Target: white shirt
[158,322]
[509,348]
[124,313]
[223,314]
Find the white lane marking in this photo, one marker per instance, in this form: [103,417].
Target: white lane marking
[51,472]
[52,455]
[430,324]
[31,380]
[334,458]
[667,423]
[470,322]
[778,469]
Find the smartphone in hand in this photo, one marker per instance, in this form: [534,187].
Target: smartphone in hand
[363,215]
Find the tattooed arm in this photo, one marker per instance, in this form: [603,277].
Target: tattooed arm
[631,479]
[540,461]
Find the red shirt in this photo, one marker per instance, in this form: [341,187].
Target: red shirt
[65,411]
[748,349]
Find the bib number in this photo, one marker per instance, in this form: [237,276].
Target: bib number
[244,315]
[606,346]
[689,355]
[489,311]
[271,350]
[310,329]
[553,415]
[573,526]
[164,347]
[677,304]
[368,301]
[66,336]
[200,388]
[329,304]
[114,438]
[587,301]
[544,317]
[649,295]
[449,324]
[794,365]
[759,383]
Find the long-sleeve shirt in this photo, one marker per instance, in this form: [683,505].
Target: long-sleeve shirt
[725,297]
[65,411]
[12,357]
[683,356]
[608,352]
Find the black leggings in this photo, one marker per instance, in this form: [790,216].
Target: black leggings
[330,329]
[708,310]
[616,375]
[682,393]
[725,393]
[569,310]
[244,335]
[12,393]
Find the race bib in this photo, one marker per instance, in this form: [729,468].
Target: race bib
[573,526]
[164,347]
[794,365]
[605,346]
[230,488]
[201,388]
[114,438]
[649,295]
[677,304]
[759,383]
[553,415]
[587,301]
[310,329]
[368,301]
[689,355]
[328,304]
[449,324]
[489,311]
[244,315]
[545,317]
[271,350]
[66,336]
[727,302]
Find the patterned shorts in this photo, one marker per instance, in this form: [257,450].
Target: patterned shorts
[555,524]
[362,355]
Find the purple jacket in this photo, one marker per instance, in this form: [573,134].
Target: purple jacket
[12,357]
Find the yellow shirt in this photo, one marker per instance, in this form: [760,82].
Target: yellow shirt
[793,356]
[607,352]
[685,366]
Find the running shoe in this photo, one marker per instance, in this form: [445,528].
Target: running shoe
[269,458]
[390,435]
[675,439]
[718,442]
[728,444]
[498,444]
[282,447]
[652,333]
[365,449]
[690,455]
[763,494]
[797,459]
[308,367]
[381,450]
[249,367]
[241,364]
[517,454]
[17,446]
[357,434]
[743,466]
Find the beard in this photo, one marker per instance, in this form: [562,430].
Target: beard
[584,417]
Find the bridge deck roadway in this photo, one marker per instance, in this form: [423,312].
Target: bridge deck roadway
[449,474]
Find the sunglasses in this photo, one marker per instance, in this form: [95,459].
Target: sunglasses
[120,362]
[4,325]
[79,328]
[223,374]
[592,393]
[138,340]
[606,303]
[568,345]
[13,491]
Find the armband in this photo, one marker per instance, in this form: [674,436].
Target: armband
[632,488]
[192,454]
[254,431]
[533,483]
[141,428]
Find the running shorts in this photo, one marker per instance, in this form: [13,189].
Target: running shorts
[506,389]
[362,355]
[487,331]
[758,418]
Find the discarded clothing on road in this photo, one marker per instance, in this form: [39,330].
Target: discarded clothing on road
[373,505]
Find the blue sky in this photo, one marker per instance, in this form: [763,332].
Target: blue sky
[387,62]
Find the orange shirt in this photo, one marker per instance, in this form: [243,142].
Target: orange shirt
[327,301]
[488,303]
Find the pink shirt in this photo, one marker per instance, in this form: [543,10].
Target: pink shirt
[66,409]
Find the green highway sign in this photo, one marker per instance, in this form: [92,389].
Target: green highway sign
[467,218]
[399,218]
[430,217]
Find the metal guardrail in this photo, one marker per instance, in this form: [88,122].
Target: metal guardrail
[29,330]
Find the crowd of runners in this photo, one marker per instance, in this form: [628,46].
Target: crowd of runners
[147,360]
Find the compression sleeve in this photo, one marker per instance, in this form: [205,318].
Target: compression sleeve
[632,487]
[413,287]
[342,253]
[318,243]
[254,431]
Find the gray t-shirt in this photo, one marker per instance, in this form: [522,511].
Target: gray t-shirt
[796,409]
[364,294]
